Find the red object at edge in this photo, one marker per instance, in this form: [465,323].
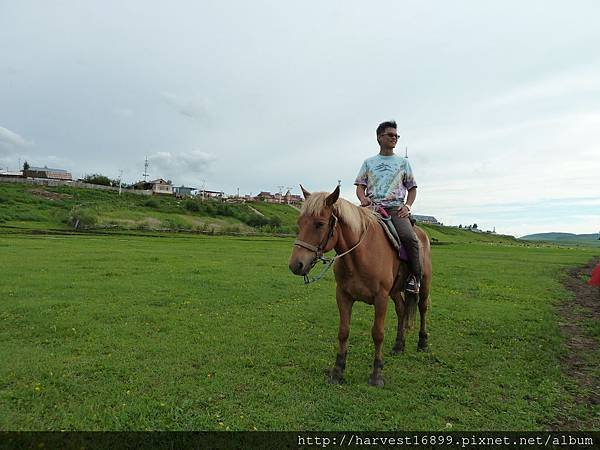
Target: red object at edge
[595,279]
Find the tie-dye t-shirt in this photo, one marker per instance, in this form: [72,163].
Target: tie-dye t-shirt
[387,179]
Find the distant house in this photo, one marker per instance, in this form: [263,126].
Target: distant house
[205,194]
[264,196]
[296,199]
[426,219]
[183,191]
[159,186]
[46,172]
[9,174]
[292,199]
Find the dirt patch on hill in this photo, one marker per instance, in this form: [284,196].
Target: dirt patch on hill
[49,195]
[580,363]
[151,223]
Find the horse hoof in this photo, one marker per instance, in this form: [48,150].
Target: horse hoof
[334,377]
[335,381]
[397,351]
[376,381]
[423,348]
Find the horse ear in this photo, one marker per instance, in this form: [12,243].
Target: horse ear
[305,192]
[332,198]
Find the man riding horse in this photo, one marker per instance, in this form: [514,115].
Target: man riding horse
[383,181]
[367,266]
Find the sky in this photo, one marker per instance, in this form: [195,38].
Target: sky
[497,102]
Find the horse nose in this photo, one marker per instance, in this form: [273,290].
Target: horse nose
[296,268]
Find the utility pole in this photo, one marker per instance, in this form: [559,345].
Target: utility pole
[280,194]
[120,177]
[406,152]
[146,169]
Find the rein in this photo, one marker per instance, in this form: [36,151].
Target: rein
[319,251]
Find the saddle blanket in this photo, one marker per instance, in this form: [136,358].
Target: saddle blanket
[386,223]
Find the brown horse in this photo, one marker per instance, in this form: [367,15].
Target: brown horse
[367,268]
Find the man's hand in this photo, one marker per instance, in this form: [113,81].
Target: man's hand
[362,195]
[404,211]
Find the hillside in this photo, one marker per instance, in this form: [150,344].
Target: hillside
[444,235]
[64,208]
[273,211]
[564,238]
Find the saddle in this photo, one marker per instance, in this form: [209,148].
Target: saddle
[385,220]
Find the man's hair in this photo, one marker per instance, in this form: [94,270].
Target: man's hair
[389,124]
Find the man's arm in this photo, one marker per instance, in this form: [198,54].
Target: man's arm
[410,199]
[362,196]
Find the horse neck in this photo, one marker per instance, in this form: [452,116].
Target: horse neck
[346,238]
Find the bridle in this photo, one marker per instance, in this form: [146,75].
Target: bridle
[319,250]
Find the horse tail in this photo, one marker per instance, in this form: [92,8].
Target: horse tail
[410,310]
[412,301]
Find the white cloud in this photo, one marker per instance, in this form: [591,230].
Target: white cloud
[189,106]
[12,149]
[565,84]
[11,140]
[188,167]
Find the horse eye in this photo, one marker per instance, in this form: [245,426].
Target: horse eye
[319,225]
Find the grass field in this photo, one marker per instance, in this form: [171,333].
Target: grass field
[172,332]
[63,208]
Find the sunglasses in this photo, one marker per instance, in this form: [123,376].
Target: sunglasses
[391,135]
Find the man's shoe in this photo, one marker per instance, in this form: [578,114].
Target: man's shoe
[412,285]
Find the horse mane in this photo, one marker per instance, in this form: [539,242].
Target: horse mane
[356,218]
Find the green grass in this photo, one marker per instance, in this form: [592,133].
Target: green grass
[287,214]
[571,242]
[444,235]
[40,207]
[185,332]
[589,240]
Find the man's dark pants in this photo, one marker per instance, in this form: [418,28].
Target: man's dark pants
[409,240]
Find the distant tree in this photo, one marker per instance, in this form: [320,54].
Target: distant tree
[474,226]
[275,221]
[191,205]
[25,167]
[460,226]
[100,179]
[81,217]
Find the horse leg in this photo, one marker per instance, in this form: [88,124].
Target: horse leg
[335,375]
[399,304]
[422,346]
[376,378]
